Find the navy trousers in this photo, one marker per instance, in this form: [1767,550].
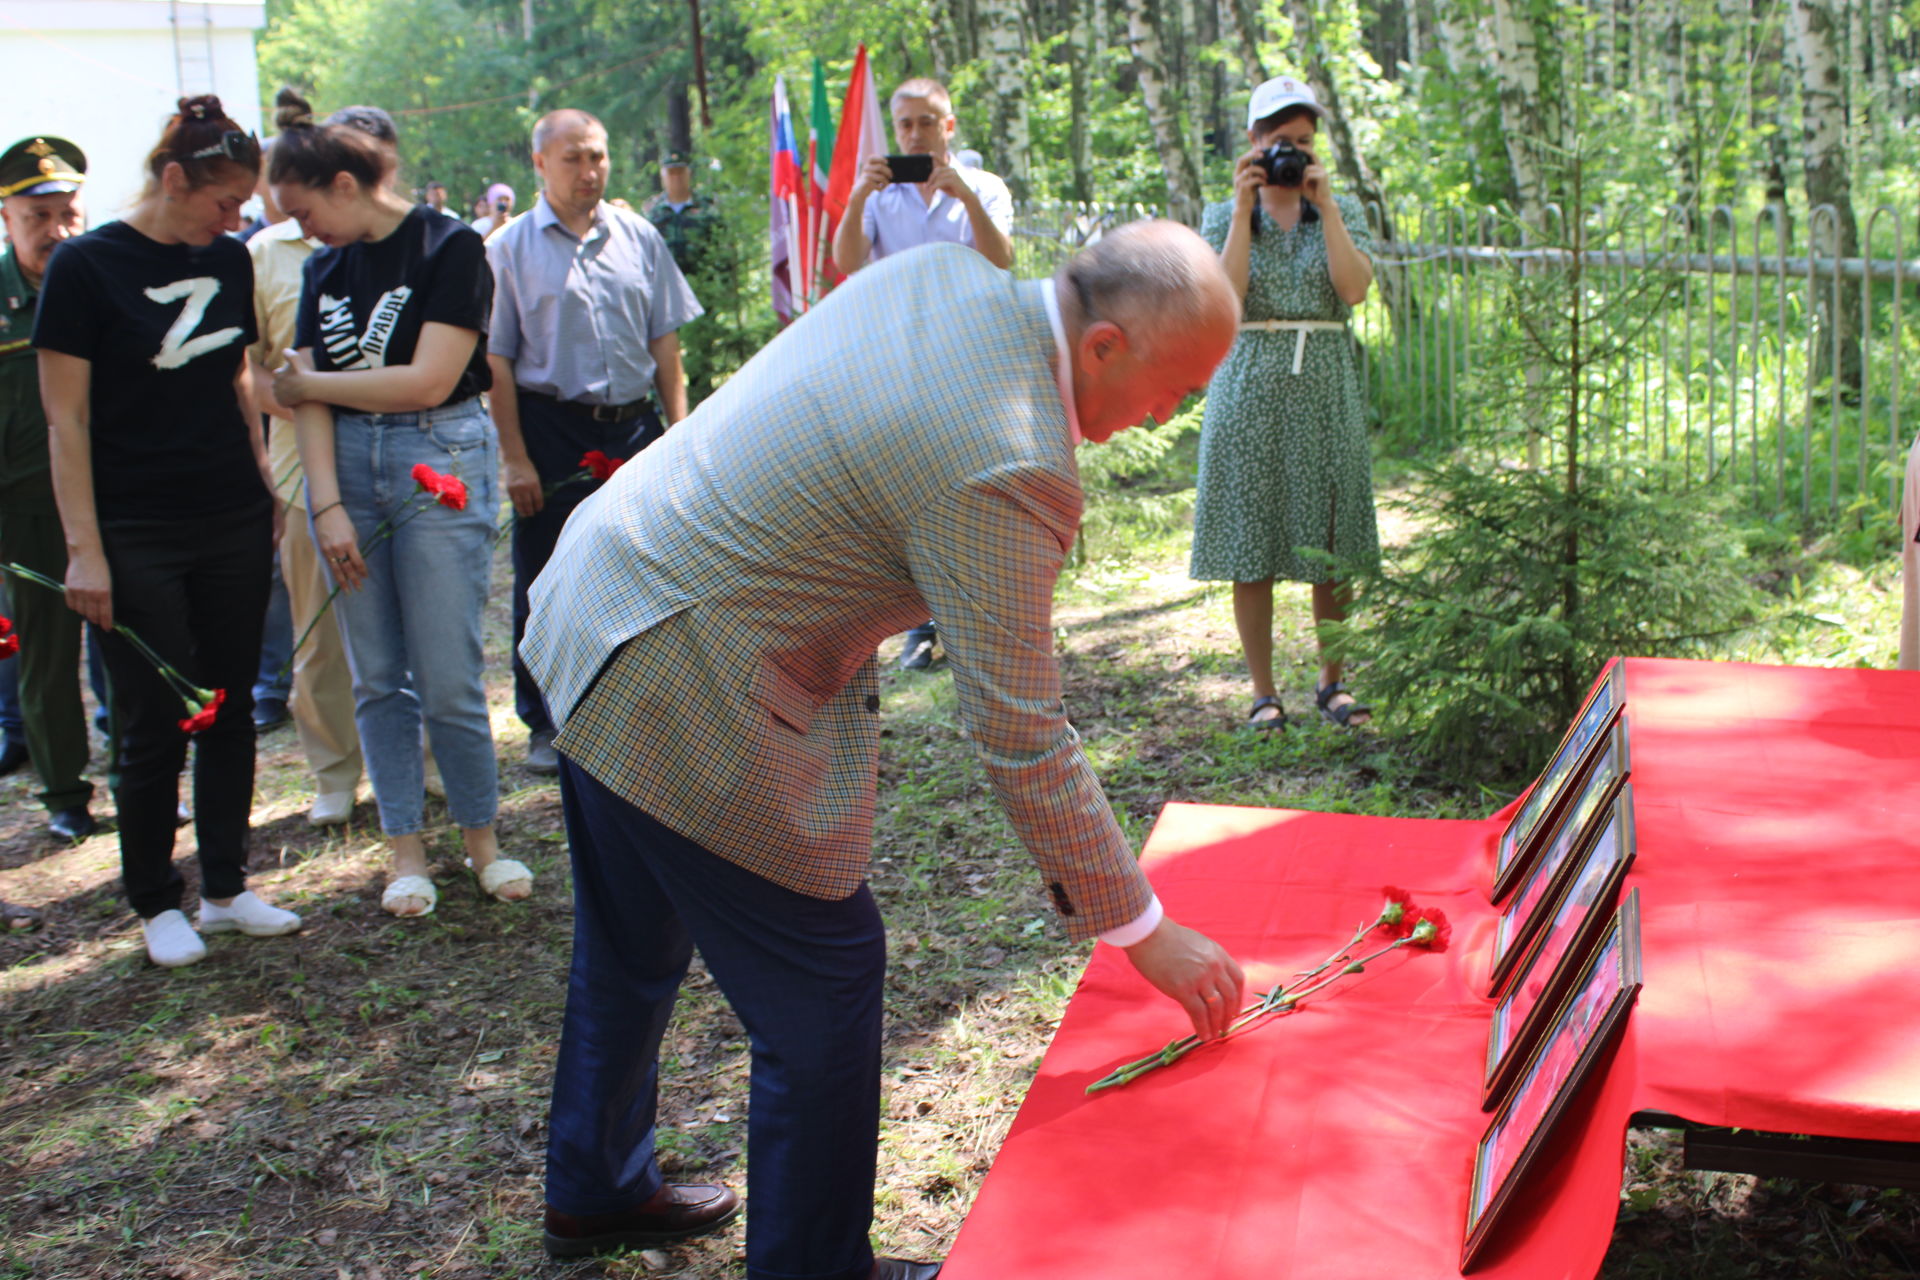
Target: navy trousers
[556,440]
[805,977]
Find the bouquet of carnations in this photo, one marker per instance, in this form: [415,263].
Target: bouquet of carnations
[1405,923]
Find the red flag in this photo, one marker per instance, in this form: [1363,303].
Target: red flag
[862,134]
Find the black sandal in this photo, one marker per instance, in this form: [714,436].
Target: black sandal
[1266,724]
[1339,716]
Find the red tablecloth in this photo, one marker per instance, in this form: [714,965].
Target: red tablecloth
[1778,823]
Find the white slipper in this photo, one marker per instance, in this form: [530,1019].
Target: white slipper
[396,896]
[504,873]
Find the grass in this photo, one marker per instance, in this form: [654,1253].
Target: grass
[368,1099]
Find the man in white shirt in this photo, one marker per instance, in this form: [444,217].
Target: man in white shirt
[957,204]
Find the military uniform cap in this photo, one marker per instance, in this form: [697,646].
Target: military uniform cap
[676,158]
[41,167]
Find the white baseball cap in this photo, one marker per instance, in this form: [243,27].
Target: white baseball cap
[1279,93]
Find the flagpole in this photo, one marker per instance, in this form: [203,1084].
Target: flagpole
[813,229]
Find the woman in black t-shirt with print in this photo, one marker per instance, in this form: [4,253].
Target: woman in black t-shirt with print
[387,376]
[161,477]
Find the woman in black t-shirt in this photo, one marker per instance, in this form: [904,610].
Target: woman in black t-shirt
[387,376]
[164,492]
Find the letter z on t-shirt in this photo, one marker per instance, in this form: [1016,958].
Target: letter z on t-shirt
[164,328]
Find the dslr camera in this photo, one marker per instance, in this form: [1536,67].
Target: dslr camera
[1285,164]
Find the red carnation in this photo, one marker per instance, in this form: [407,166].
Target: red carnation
[449,491]
[599,465]
[9,643]
[203,715]
[1397,917]
[1430,928]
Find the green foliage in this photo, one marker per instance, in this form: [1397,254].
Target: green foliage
[1484,636]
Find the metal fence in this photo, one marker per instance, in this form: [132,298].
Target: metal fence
[1725,379]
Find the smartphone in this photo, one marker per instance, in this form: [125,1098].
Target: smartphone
[910,168]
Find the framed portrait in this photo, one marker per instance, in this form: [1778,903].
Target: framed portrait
[1579,1033]
[1547,872]
[1534,819]
[1579,911]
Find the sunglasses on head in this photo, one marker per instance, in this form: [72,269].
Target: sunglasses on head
[234,145]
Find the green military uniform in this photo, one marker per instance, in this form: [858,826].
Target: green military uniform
[686,229]
[30,530]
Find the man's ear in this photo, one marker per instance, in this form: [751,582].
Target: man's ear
[1101,343]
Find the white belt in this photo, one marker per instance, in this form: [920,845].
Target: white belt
[1301,327]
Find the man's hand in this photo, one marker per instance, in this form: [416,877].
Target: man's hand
[1193,970]
[875,176]
[946,177]
[524,489]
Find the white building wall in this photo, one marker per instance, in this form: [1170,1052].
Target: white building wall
[105,74]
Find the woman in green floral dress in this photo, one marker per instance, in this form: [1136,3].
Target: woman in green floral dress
[1284,460]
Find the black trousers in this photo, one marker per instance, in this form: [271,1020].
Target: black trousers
[556,438]
[195,591]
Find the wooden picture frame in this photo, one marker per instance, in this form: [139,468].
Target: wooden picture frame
[1546,873]
[1534,819]
[1582,1029]
[1580,911]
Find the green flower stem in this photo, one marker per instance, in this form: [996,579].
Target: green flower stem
[382,531]
[190,693]
[1280,999]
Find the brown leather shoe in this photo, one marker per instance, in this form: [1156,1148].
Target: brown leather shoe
[903,1269]
[677,1210]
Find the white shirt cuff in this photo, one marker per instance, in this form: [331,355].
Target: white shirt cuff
[1137,929]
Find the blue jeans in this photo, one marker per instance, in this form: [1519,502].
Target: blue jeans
[412,630]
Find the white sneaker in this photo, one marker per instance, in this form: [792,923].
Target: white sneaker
[331,808]
[171,941]
[247,914]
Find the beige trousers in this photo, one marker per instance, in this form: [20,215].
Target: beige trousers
[322,703]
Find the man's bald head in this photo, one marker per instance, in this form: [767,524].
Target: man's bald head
[568,120]
[1149,313]
[1155,278]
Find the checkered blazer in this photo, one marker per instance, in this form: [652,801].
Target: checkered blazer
[705,630]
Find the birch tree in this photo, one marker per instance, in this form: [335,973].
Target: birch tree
[1241,17]
[1004,32]
[1079,145]
[1824,145]
[1163,111]
[1523,117]
[1681,116]
[1352,166]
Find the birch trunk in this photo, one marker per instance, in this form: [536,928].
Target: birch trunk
[1186,39]
[1517,65]
[1348,161]
[1881,78]
[1823,132]
[1102,27]
[1009,138]
[1078,135]
[1243,18]
[1680,113]
[1456,43]
[1163,112]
